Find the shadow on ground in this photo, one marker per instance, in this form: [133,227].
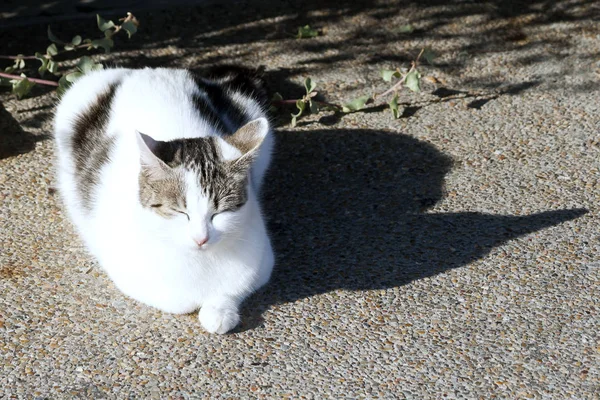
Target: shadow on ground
[13,139]
[347,211]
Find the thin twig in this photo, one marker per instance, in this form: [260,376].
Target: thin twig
[401,81]
[17,57]
[40,81]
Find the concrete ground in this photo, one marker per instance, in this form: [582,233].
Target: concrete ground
[452,253]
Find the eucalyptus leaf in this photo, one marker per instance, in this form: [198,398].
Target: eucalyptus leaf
[309,85]
[129,27]
[86,65]
[356,104]
[413,81]
[22,87]
[44,67]
[73,76]
[103,24]
[387,74]
[408,28]
[106,44]
[52,66]
[305,32]
[69,47]
[394,107]
[63,84]
[52,50]
[429,55]
[76,41]
[53,38]
[301,106]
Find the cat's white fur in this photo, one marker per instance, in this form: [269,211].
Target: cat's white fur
[150,258]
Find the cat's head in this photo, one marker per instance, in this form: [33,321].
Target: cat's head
[199,187]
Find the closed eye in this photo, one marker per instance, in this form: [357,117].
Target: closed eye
[155,205]
[182,212]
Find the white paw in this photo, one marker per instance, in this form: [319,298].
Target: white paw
[218,320]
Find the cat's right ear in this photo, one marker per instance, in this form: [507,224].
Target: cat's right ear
[149,153]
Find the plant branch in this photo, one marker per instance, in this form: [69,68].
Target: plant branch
[40,81]
[401,81]
[17,57]
[293,102]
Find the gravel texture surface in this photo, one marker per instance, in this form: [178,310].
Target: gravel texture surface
[452,253]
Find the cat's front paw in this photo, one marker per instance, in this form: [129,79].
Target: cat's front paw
[218,320]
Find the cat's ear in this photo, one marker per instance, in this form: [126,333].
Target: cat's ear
[248,139]
[150,152]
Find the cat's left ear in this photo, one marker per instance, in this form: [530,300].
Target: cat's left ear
[248,139]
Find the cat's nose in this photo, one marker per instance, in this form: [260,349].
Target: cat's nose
[201,242]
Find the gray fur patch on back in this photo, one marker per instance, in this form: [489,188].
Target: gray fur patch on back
[91,146]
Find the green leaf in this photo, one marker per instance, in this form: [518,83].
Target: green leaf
[394,107]
[76,41]
[53,38]
[22,87]
[106,44]
[301,106]
[293,122]
[387,74]
[9,70]
[408,28]
[309,85]
[63,85]
[52,50]
[356,104]
[21,64]
[86,65]
[129,27]
[103,24]
[52,66]
[429,55]
[413,81]
[44,67]
[314,107]
[69,47]
[306,31]
[73,76]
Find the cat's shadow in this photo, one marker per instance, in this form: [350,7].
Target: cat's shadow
[347,210]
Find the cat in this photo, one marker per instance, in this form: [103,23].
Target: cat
[160,172]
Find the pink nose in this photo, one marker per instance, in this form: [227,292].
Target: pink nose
[201,242]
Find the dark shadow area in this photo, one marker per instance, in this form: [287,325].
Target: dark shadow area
[202,27]
[13,139]
[347,210]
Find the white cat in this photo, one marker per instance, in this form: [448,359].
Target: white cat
[159,171]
